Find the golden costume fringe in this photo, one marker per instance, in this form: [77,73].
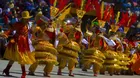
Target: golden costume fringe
[94,52]
[12,53]
[123,61]
[111,62]
[45,47]
[61,56]
[68,54]
[90,62]
[45,52]
[73,46]
[110,54]
[93,56]
[70,50]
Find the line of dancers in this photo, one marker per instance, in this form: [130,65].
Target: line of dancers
[62,43]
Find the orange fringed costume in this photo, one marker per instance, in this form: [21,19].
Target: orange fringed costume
[136,61]
[136,65]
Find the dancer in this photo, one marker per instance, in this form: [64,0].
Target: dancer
[18,48]
[45,52]
[132,49]
[111,61]
[2,44]
[136,61]
[92,55]
[68,53]
[123,58]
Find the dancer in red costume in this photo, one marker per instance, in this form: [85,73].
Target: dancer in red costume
[18,48]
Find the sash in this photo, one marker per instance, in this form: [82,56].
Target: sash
[108,41]
[29,38]
[57,31]
[121,44]
[132,51]
[84,41]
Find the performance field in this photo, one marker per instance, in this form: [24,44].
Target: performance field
[15,72]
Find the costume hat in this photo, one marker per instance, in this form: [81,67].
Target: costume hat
[26,15]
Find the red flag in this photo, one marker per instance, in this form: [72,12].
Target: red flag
[88,3]
[106,12]
[78,3]
[62,4]
[51,2]
[97,8]
[110,15]
[124,19]
[132,19]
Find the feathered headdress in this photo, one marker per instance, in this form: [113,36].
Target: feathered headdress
[104,13]
[53,9]
[127,20]
[114,26]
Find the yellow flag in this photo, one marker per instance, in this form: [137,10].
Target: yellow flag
[101,23]
[126,29]
[114,28]
[63,14]
[53,11]
[80,13]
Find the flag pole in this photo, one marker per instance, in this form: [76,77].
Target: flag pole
[63,10]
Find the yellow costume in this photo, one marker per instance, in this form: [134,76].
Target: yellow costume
[123,58]
[111,61]
[93,56]
[68,52]
[115,59]
[18,48]
[45,52]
